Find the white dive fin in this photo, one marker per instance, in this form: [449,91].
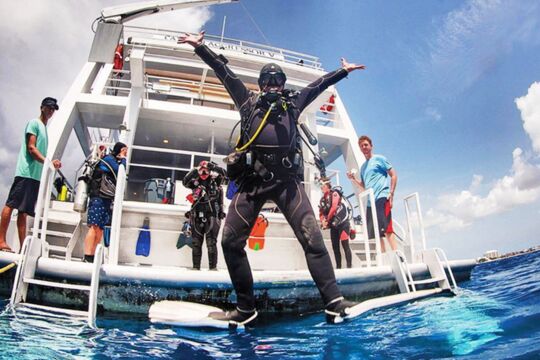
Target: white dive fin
[188,314]
[363,307]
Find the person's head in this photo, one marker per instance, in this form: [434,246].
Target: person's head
[119,149]
[272,78]
[203,170]
[326,185]
[48,106]
[365,144]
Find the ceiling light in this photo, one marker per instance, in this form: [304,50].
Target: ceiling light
[165,141]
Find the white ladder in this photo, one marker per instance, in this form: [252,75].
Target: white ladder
[432,259]
[25,275]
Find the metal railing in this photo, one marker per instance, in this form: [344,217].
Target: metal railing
[420,223]
[167,39]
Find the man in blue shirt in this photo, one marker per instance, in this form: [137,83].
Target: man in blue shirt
[24,191]
[374,175]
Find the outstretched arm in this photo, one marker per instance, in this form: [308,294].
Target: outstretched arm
[310,92]
[234,86]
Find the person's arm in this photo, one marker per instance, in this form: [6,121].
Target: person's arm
[356,181]
[188,180]
[393,183]
[234,86]
[310,92]
[34,152]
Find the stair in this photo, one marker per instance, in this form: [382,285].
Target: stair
[25,276]
[432,259]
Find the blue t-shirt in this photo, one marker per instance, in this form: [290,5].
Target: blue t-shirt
[374,175]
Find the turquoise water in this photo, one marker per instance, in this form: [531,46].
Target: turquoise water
[496,315]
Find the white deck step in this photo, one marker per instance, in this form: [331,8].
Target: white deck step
[57,248]
[57,284]
[57,233]
[49,309]
[428,281]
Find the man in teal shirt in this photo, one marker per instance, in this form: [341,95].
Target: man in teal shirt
[374,175]
[24,191]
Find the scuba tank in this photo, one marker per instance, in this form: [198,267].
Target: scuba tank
[81,190]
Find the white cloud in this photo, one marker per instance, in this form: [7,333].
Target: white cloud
[521,186]
[529,105]
[472,38]
[44,45]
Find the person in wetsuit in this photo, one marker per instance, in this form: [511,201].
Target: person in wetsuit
[267,166]
[207,210]
[333,214]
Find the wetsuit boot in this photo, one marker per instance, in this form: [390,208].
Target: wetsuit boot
[236,317]
[337,309]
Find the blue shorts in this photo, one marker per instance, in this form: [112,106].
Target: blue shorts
[23,195]
[99,212]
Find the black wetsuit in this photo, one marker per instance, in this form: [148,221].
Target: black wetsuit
[275,148]
[205,214]
[340,227]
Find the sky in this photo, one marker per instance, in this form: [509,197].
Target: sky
[451,93]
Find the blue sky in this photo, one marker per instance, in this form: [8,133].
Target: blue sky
[438,97]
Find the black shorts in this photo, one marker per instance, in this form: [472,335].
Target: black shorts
[384,218]
[23,195]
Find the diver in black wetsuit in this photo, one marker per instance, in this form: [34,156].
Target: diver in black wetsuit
[207,210]
[267,165]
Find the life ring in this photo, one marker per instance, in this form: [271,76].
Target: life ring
[329,106]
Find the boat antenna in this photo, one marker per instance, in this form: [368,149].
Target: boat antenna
[254,23]
[223,29]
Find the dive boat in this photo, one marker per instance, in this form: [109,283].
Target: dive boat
[172,112]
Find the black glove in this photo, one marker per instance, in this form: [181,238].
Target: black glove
[211,165]
[221,215]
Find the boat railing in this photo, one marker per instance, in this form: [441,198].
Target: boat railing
[413,211]
[43,203]
[160,39]
[370,196]
[116,221]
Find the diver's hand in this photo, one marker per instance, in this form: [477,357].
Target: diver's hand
[350,67]
[194,40]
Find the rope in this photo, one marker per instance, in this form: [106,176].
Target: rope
[7,267]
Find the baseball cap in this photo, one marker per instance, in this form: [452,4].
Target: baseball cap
[50,102]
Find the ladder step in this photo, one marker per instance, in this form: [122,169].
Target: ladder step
[57,233]
[52,309]
[57,248]
[57,284]
[428,281]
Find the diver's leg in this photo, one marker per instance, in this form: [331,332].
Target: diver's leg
[294,203]
[197,235]
[211,241]
[241,217]
[334,237]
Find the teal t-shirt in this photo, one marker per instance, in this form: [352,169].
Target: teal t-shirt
[27,166]
[374,175]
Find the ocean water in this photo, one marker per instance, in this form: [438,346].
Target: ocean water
[496,315]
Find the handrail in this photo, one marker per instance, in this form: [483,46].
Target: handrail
[447,264]
[169,37]
[416,198]
[371,197]
[43,202]
[116,221]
